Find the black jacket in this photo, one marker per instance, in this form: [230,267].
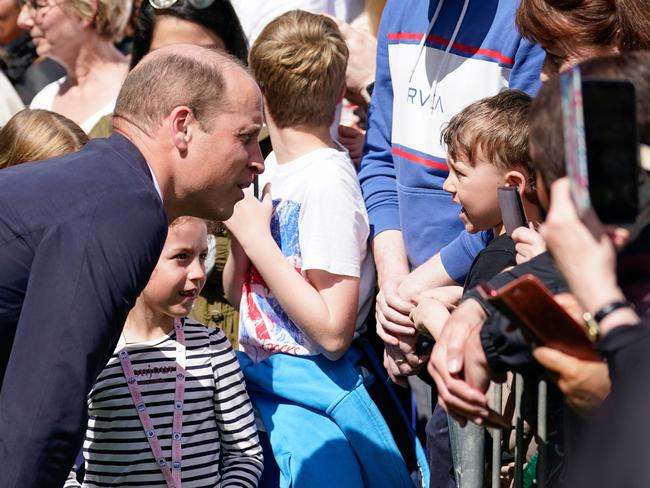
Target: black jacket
[79,237]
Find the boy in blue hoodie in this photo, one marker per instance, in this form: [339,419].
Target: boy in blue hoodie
[434,57]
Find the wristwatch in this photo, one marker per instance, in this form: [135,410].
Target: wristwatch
[593,320]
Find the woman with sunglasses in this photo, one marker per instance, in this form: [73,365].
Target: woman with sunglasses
[203,22]
[79,35]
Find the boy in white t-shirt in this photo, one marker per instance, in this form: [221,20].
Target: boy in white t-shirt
[301,270]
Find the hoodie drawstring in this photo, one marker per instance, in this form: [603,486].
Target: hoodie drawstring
[443,64]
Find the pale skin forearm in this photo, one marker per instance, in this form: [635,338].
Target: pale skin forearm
[430,274]
[325,307]
[235,272]
[390,255]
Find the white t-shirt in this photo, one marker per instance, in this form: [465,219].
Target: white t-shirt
[44,99]
[254,15]
[319,222]
[10,102]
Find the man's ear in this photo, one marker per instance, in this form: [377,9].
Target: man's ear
[181,127]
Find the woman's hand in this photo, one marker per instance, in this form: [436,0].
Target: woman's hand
[581,249]
[585,384]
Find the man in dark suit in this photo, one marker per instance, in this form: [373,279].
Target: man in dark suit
[80,235]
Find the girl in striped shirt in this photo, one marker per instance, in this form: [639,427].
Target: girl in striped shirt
[170,408]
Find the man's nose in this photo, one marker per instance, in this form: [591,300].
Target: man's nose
[256,160]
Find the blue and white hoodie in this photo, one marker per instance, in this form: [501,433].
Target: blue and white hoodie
[434,57]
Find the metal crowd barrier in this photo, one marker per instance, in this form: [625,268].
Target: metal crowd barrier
[467,445]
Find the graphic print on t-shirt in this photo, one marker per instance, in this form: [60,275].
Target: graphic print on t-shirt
[264,326]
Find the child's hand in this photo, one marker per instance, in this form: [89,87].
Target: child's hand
[528,243]
[449,295]
[429,316]
[251,219]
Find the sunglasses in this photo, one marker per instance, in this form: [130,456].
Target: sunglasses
[163,4]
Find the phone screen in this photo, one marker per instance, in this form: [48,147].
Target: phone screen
[612,146]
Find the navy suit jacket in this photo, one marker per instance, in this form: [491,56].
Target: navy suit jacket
[79,237]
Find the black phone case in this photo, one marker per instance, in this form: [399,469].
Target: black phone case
[512,209]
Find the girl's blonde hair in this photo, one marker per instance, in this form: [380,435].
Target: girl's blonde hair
[33,135]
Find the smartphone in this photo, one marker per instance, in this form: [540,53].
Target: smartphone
[601,146]
[532,308]
[512,209]
[612,144]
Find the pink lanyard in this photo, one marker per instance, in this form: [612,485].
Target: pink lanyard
[172,474]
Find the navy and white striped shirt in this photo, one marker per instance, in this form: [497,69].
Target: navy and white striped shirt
[220,443]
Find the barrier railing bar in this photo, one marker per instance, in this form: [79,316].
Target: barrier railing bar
[496,438]
[541,434]
[520,455]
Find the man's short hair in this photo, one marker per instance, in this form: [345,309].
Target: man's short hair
[497,125]
[299,61]
[159,84]
[546,130]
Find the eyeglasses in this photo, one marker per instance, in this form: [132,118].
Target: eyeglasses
[162,4]
[35,6]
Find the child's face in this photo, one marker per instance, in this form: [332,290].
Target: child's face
[475,188]
[179,275]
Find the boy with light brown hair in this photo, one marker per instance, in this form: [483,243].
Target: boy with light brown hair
[487,147]
[301,271]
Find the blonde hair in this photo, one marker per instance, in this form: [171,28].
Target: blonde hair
[34,135]
[186,218]
[109,17]
[299,61]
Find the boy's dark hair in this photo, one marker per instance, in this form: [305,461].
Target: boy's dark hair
[299,61]
[498,126]
[546,132]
